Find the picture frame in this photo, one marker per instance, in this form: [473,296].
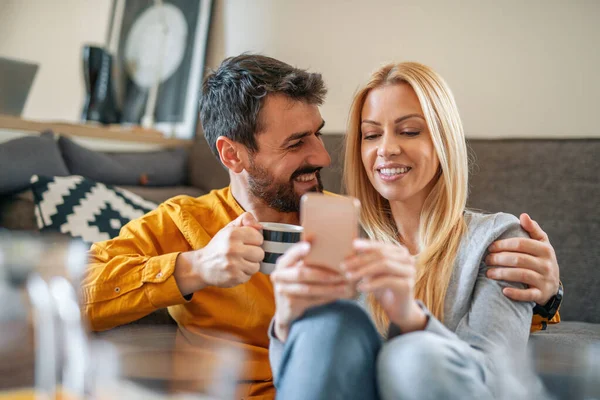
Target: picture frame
[159,49]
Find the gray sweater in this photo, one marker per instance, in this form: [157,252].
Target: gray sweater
[477,315]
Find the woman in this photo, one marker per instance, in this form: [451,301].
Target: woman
[447,325]
[406,160]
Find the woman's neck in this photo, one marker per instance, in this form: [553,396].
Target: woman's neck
[407,218]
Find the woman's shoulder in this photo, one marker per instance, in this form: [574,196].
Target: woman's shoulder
[493,225]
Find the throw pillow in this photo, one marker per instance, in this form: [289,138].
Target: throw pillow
[83,208]
[25,156]
[153,168]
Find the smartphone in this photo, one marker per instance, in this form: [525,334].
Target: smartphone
[331,223]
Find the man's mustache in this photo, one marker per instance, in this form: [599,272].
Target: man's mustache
[309,169]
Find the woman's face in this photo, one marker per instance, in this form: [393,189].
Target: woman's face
[396,147]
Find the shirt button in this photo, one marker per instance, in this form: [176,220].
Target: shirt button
[117,289]
[159,275]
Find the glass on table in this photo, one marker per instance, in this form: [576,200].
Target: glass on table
[30,325]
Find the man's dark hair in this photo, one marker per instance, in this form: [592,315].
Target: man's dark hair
[233,95]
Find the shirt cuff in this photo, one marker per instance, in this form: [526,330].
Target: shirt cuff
[159,282]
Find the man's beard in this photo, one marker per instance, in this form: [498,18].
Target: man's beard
[279,196]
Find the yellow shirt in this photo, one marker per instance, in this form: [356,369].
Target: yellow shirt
[131,276]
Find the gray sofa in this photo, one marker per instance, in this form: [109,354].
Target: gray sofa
[555,181]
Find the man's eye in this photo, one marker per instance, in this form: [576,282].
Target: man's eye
[318,134]
[296,145]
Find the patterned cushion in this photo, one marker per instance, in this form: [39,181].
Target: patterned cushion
[83,208]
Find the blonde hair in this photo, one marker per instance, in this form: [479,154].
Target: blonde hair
[442,223]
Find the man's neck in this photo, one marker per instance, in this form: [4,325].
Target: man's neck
[257,207]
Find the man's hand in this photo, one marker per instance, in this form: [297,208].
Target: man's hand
[529,261]
[231,257]
[299,286]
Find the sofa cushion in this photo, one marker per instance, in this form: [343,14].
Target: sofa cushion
[155,168]
[568,333]
[20,158]
[83,208]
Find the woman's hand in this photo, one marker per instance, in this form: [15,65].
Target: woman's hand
[299,286]
[388,271]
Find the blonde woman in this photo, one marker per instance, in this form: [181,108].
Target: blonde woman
[423,268]
[406,160]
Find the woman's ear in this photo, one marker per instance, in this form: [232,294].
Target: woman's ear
[229,153]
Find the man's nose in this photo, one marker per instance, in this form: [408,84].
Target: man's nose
[318,154]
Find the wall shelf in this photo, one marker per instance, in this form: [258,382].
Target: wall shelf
[112,133]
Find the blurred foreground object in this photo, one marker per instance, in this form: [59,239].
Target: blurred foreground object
[42,331]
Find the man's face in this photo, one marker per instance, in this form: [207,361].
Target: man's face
[290,153]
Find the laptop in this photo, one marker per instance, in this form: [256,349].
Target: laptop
[16,79]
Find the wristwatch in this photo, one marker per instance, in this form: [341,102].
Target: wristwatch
[549,309]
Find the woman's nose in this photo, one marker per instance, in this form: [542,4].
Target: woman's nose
[389,147]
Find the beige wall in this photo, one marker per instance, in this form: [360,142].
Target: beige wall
[52,34]
[517,68]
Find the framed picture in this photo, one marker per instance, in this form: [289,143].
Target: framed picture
[159,49]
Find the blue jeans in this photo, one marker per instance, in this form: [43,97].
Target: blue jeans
[330,354]
[335,352]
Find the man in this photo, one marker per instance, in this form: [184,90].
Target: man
[200,257]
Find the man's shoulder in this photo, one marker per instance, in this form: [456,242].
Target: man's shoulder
[206,201]
[212,209]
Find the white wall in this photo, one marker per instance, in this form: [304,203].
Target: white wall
[52,33]
[517,68]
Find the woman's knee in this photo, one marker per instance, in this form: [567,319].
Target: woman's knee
[425,365]
[414,351]
[341,321]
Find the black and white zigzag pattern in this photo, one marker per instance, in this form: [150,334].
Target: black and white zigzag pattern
[83,208]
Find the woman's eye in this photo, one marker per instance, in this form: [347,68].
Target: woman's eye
[412,133]
[370,136]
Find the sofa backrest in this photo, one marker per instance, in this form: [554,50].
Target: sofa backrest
[557,182]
